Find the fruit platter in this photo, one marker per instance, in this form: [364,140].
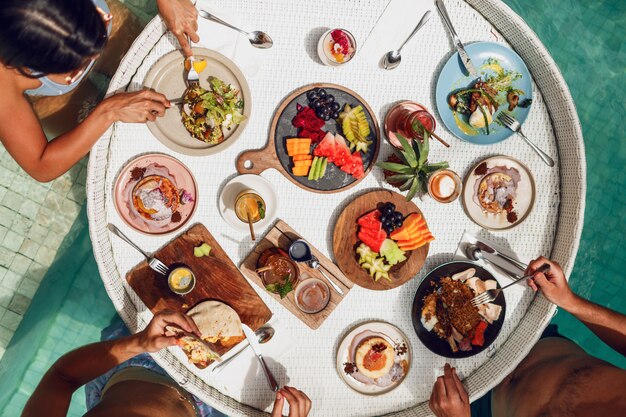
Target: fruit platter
[324,138]
[380,240]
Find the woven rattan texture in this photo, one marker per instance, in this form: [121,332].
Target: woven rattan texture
[295,27]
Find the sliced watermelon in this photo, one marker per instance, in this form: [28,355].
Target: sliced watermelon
[373,241]
[326,148]
[370,220]
[342,152]
[355,166]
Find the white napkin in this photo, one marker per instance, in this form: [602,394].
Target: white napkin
[393,26]
[245,371]
[469,239]
[229,42]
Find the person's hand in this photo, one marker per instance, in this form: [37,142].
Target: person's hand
[449,398]
[552,283]
[138,107]
[180,17]
[153,339]
[299,403]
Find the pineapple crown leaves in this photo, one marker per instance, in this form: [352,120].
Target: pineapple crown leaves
[414,172]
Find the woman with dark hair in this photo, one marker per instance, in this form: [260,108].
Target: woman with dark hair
[47,48]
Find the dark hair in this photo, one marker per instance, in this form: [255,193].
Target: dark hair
[49,36]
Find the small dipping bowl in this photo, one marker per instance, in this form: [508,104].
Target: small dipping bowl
[444,186]
[181,280]
[312,295]
[300,251]
[325,44]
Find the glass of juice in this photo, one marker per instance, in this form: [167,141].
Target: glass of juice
[249,203]
[411,125]
[444,186]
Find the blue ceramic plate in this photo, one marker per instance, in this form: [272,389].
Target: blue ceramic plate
[453,77]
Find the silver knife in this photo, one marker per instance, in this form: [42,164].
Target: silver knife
[465,59]
[254,344]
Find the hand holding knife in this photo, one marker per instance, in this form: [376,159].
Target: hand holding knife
[465,59]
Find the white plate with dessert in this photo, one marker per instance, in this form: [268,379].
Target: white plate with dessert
[498,193]
[155,194]
[374,358]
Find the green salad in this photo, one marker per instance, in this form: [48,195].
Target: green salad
[206,113]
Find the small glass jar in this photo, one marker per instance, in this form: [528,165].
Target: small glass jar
[411,125]
[312,295]
[444,186]
[249,203]
[331,52]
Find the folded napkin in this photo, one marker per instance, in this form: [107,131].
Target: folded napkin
[503,279]
[393,27]
[229,42]
[244,373]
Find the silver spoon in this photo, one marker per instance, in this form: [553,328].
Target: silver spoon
[475,254]
[392,58]
[264,334]
[257,38]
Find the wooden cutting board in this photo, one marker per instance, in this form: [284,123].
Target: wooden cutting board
[274,154]
[281,235]
[345,241]
[217,278]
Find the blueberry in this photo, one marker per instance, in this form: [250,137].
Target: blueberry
[326,117]
[312,95]
[335,115]
[335,106]
[387,222]
[391,205]
[330,98]
[319,113]
[398,222]
[388,229]
[322,93]
[398,216]
[317,104]
[387,210]
[382,219]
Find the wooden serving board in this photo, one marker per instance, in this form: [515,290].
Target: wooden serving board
[274,154]
[345,241]
[217,278]
[281,235]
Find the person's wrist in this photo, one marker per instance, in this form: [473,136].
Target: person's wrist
[570,302]
[139,342]
[106,112]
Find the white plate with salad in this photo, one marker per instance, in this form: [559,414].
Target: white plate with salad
[213,115]
[469,107]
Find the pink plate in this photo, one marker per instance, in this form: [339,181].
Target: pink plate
[172,176]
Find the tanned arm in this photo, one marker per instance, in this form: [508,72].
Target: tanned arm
[608,325]
[22,136]
[53,394]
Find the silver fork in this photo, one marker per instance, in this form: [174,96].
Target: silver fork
[490,295]
[515,126]
[153,262]
[193,80]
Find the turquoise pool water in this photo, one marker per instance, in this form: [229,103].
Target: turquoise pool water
[585,38]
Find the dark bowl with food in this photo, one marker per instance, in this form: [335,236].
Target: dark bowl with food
[430,338]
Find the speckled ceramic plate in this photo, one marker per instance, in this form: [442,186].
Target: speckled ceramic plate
[524,196]
[157,165]
[346,352]
[167,76]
